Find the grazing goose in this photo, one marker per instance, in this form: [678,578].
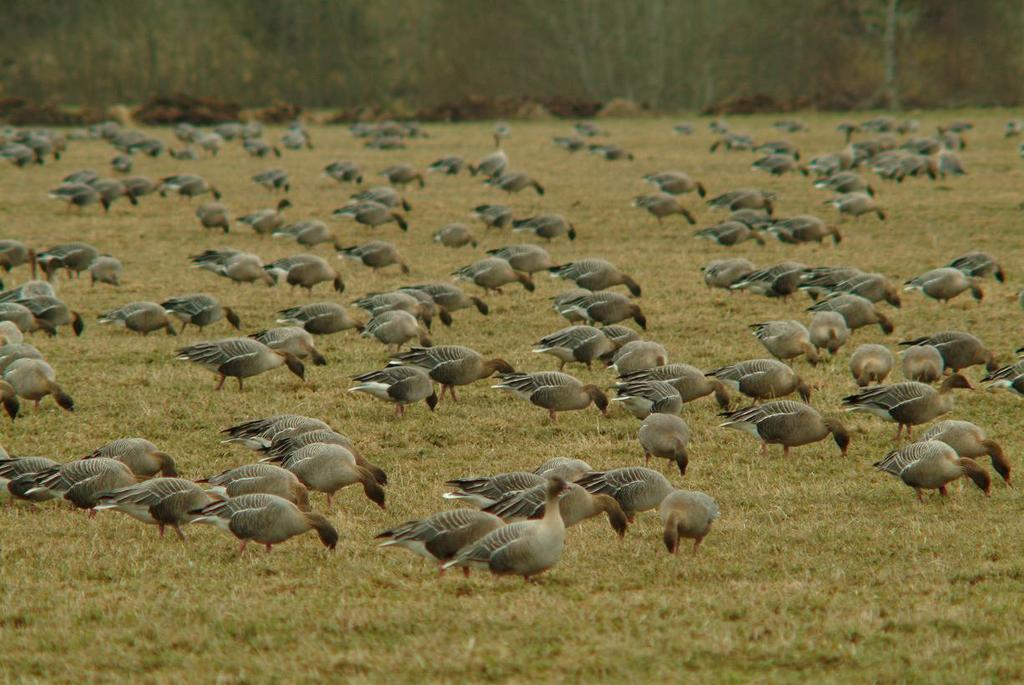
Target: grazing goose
[745,198]
[327,468]
[907,404]
[932,465]
[780,280]
[675,183]
[75,194]
[687,514]
[524,257]
[106,269]
[305,271]
[10,334]
[23,318]
[690,382]
[258,434]
[239,358]
[141,317]
[601,307]
[856,310]
[776,165]
[483,491]
[17,473]
[762,379]
[308,233]
[979,265]
[787,423]
[786,339]
[455,235]
[414,301]
[284,444]
[34,379]
[402,175]
[240,267]
[576,505]
[665,436]
[261,477]
[9,398]
[945,284]
[375,254]
[293,340]
[492,273]
[14,253]
[384,195]
[733,141]
[140,455]
[401,385]
[450,297]
[396,327]
[74,258]
[258,148]
[188,186]
[554,391]
[161,502]
[581,344]
[1010,377]
[922,363]
[451,365]
[569,143]
[438,538]
[266,519]
[611,153]
[959,350]
[870,364]
[635,488]
[729,233]
[266,221]
[828,331]
[856,204]
[547,226]
[873,287]
[372,214]
[643,398]
[214,215]
[514,181]
[319,318]
[273,179]
[723,273]
[595,274]
[54,312]
[661,205]
[200,310]
[971,441]
[81,482]
[564,467]
[525,548]
[28,290]
[449,166]
[493,216]
[637,355]
[11,352]
[804,229]
[493,164]
[845,182]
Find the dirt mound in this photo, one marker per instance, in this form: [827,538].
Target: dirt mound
[187,109]
[622,107]
[755,104]
[278,113]
[21,112]
[475,108]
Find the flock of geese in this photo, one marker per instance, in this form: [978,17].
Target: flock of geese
[516,522]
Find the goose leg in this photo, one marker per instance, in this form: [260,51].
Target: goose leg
[269,547]
[696,544]
[920,495]
[241,547]
[764,449]
[785,451]
[181,535]
[943,491]
[240,388]
[647,458]
[160,528]
[465,571]
[451,391]
[552,416]
[220,383]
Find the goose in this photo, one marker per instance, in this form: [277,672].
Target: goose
[612,153]
[286,443]
[375,254]
[1014,127]
[450,297]
[23,318]
[493,164]
[779,147]
[828,331]
[686,514]
[804,229]
[675,183]
[256,478]
[856,310]
[141,456]
[526,258]
[484,491]
[581,344]
[637,355]
[588,129]
[239,358]
[761,379]
[661,205]
[266,519]
[775,164]
[187,153]
[74,258]
[383,195]
[635,488]
[845,182]
[214,215]
[81,482]
[493,216]
[602,307]
[856,204]
[240,267]
[449,166]
[554,391]
[567,468]
[257,434]
[569,143]
[932,465]
[452,365]
[327,468]
[305,271]
[372,214]
[786,339]
[344,171]
[945,284]
[514,182]
[319,318]
[643,398]
[666,436]
[595,274]
[690,382]
[787,423]
[525,548]
[745,198]
[922,363]
[77,195]
[959,350]
[492,273]
[106,269]
[575,504]
[402,175]
[401,385]
[28,290]
[19,155]
[780,280]
[54,312]
[273,179]
[971,441]
[395,327]
[258,148]
[683,128]
[729,233]
[11,352]
[200,310]
[161,502]
[308,233]
[14,253]
[547,226]
[10,334]
[16,474]
[723,273]
[110,190]
[296,139]
[870,364]
[979,265]
[438,538]
[34,379]
[291,339]
[188,186]
[141,317]
[756,219]
[907,404]
[455,235]
[873,287]
[1010,377]
[733,141]
[9,398]
[266,221]
[414,301]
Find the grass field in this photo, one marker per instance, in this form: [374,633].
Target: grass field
[819,570]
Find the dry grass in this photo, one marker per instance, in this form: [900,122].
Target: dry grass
[820,569]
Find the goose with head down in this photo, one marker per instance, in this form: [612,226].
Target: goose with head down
[600,307]
[266,519]
[325,467]
[665,436]
[687,514]
[907,404]
[635,488]
[576,504]
[400,385]
[200,310]
[141,456]
[786,339]
[932,465]
[34,379]
[256,478]
[595,274]
[762,379]
[554,391]
[944,284]
[452,365]
[438,538]
[959,350]
[970,440]
[690,382]
[581,344]
[160,501]
[787,423]
[870,364]
[239,358]
[493,273]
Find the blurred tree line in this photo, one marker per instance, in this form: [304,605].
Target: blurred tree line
[667,53]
